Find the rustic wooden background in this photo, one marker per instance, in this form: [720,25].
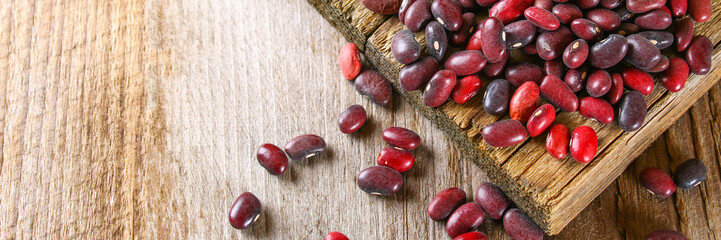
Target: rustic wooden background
[140,119]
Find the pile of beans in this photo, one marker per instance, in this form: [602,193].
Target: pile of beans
[385,179]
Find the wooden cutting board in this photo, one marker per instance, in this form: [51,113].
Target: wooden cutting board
[552,192]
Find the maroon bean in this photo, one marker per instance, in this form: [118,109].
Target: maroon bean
[551,44]
[674,78]
[445,202]
[523,101]
[700,10]
[383,7]
[520,73]
[375,86]
[689,174]
[632,111]
[661,66]
[586,29]
[642,6]
[460,37]
[401,137]
[493,39]
[557,141]
[509,10]
[335,236]
[530,49]
[404,47]
[638,80]
[398,159]
[448,13]
[439,88]
[596,109]
[304,146]
[466,62]
[586,4]
[628,28]
[608,52]
[352,119]
[416,75]
[641,52]
[657,182]
[541,119]
[349,62]
[576,53]
[418,15]
[544,4]
[466,88]
[492,199]
[474,43]
[468,4]
[542,18]
[497,96]
[245,211]
[611,4]
[520,227]
[554,67]
[583,144]
[654,20]
[486,3]
[599,83]
[614,95]
[665,235]
[678,7]
[403,9]
[379,180]
[698,55]
[504,133]
[567,12]
[495,69]
[472,236]
[606,19]
[683,34]
[660,39]
[519,34]
[436,40]
[464,219]
[575,79]
[558,93]
[272,158]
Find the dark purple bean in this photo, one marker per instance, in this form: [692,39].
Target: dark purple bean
[606,19]
[495,69]
[383,7]
[465,63]
[642,6]
[436,40]
[352,119]
[448,13]
[519,34]
[575,79]
[558,93]
[439,88]
[554,67]
[403,9]
[493,39]
[624,13]
[304,146]
[416,75]
[586,4]
[627,28]
[586,29]
[401,137]
[542,18]
[654,20]
[698,55]
[398,159]
[245,211]
[567,12]
[551,44]
[596,109]
[608,52]
[445,202]
[404,47]
[599,83]
[418,15]
[689,174]
[520,227]
[379,180]
[632,111]
[661,66]
[272,158]
[517,74]
[375,86]
[611,4]
[504,133]
[497,97]
[575,54]
[464,219]
[641,52]
[657,182]
[665,235]
[460,37]
[660,39]
[684,34]
[492,199]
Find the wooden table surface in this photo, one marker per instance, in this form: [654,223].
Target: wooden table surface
[140,119]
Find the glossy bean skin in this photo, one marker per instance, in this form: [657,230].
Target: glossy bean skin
[519,34]
[586,29]
[520,227]
[575,79]
[497,97]
[304,146]
[678,7]
[551,44]
[661,66]
[654,20]
[583,144]
[418,15]
[606,19]
[486,3]
[459,38]
[665,235]
[554,67]
[504,133]
[349,62]
[352,119]
[403,9]
[272,158]
[492,199]
[608,52]
[445,202]
[401,137]
[379,180]
[597,109]
[404,47]
[689,174]
[660,39]
[700,10]
[657,182]
[439,88]
[616,92]
[641,52]
[509,10]
[466,88]
[448,13]
[558,93]
[684,34]
[598,84]
[542,18]
[521,73]
[493,39]
[464,219]
[474,42]
[567,12]
[638,80]
[624,13]
[674,78]
[611,4]
[587,4]
[632,111]
[335,236]
[245,211]
[642,6]
[375,86]
[383,7]
[472,236]
[416,75]
[436,40]
[557,141]
[495,69]
[398,159]
[523,101]
[698,55]
[541,119]
[466,62]
[576,53]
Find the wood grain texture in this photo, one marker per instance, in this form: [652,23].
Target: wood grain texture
[140,119]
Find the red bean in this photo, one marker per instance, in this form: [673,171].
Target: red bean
[665,235]
[632,111]
[654,20]
[493,39]
[523,101]
[468,4]
[678,7]
[661,39]
[383,7]
[472,236]
[466,62]
[404,47]
[638,80]
[657,182]
[492,199]
[401,137]
[335,236]
[521,73]
[586,29]
[608,52]
[379,180]
[567,12]
[497,96]
[597,109]
[448,13]
[641,52]
[642,6]
[584,144]
[350,66]
[304,146]
[436,40]
[554,67]
[464,219]
[575,54]
[486,3]
[541,119]
[474,43]
[520,227]
[495,69]
[416,75]
[614,95]
[700,10]
[509,10]
[611,4]
[398,159]
[519,34]
[439,88]
[375,86]
[551,44]
[575,79]
[606,19]
[466,88]
[544,4]
[689,174]
[558,93]
[403,9]
[698,55]
[599,83]
[272,158]
[504,133]
[445,202]
[460,37]
[542,18]
[557,141]
[683,34]
[674,78]
[586,4]
[661,66]
[245,211]
[418,15]
[352,119]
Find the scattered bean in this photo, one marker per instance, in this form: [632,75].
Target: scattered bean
[464,219]
[689,174]
[492,199]
[272,158]
[304,146]
[497,96]
[401,137]
[557,141]
[379,180]
[584,144]
[504,133]
[520,227]
[445,202]
[352,119]
[348,60]
[375,86]
[335,236]
[439,88]
[657,182]
[398,159]
[245,211]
